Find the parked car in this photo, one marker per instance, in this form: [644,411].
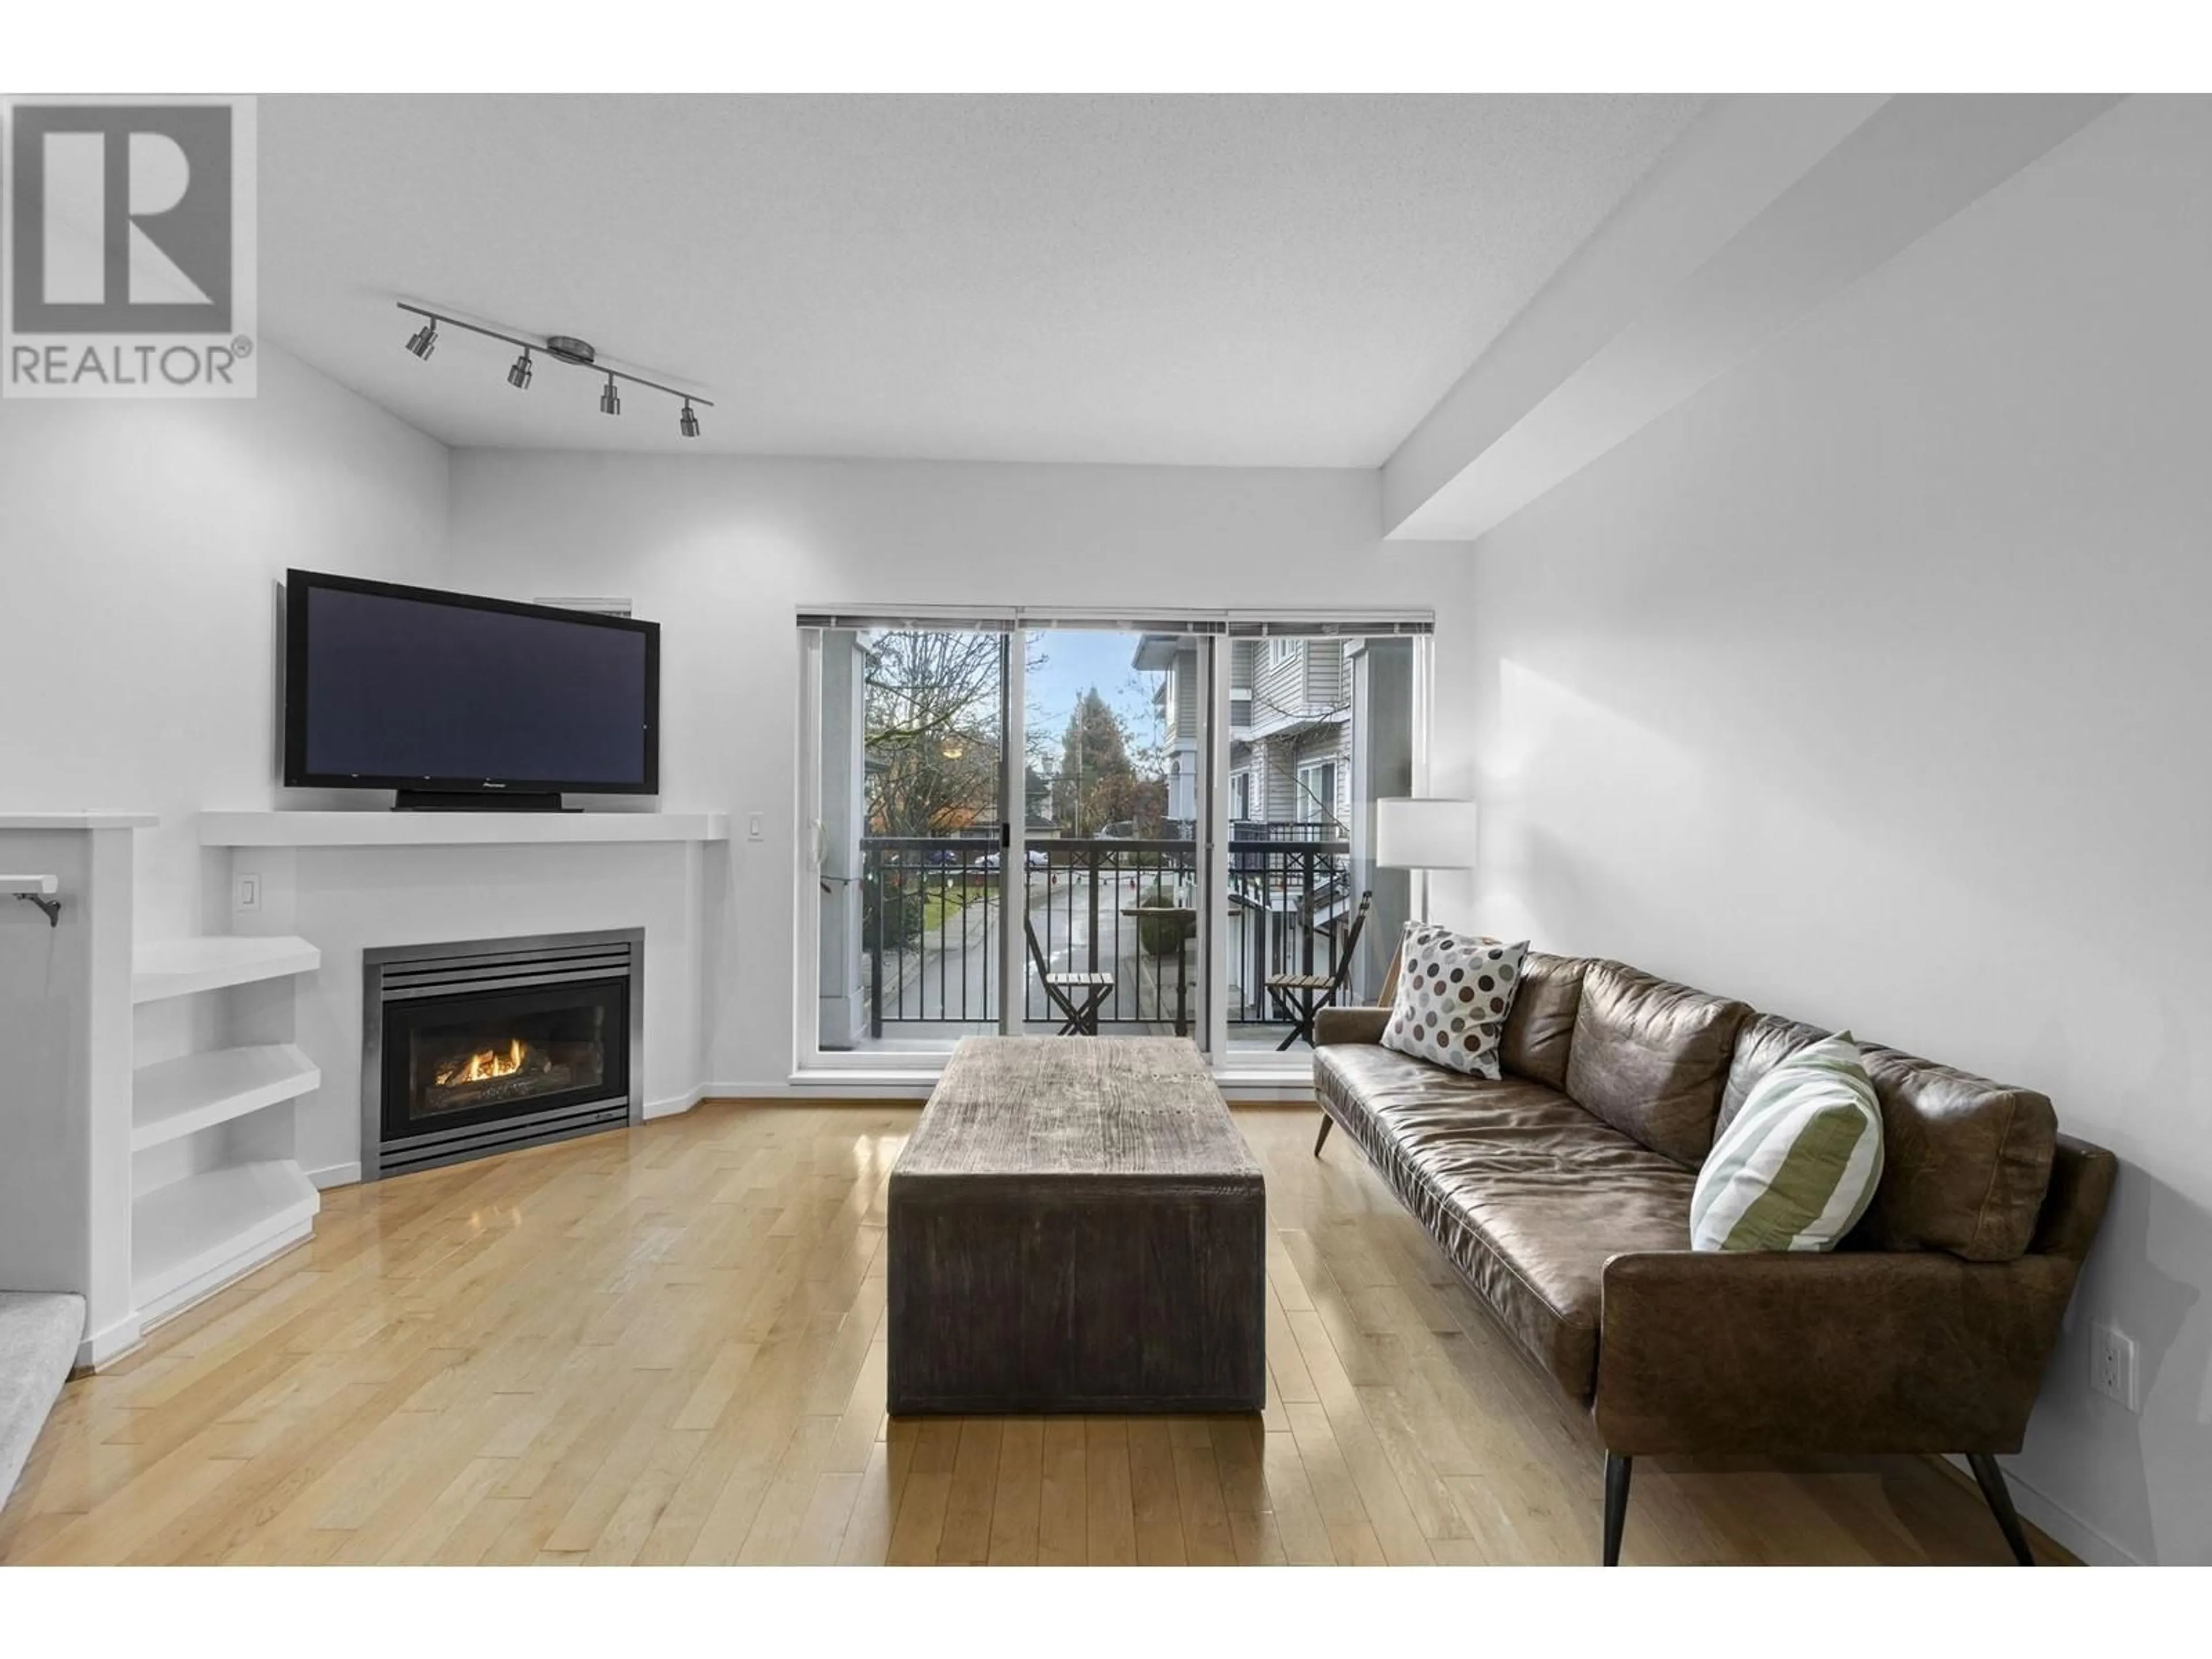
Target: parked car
[1035,858]
[967,858]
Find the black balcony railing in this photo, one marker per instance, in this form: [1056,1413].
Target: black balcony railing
[931,928]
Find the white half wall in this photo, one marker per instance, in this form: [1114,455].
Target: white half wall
[1870,685]
[723,551]
[144,546]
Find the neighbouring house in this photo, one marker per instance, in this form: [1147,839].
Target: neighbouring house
[1319,727]
[1291,720]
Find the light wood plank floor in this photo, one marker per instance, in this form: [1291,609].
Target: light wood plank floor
[665,1345]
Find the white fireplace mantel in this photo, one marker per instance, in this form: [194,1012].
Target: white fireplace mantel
[369,828]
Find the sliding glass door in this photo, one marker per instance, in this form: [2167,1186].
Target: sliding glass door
[1135,828]
[910,745]
[1321,726]
[1112,886]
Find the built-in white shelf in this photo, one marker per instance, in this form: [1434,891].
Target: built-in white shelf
[179,966]
[455,828]
[44,886]
[194,1235]
[174,1098]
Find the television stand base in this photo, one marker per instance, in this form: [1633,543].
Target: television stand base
[451,800]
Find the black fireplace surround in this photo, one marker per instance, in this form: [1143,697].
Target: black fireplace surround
[481,1047]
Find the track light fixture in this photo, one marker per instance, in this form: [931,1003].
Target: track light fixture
[562,349]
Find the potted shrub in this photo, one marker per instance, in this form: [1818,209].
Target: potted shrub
[1161,936]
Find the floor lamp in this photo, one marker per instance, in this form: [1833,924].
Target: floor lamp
[1416,833]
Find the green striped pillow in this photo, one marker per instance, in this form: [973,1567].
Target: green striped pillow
[1798,1166]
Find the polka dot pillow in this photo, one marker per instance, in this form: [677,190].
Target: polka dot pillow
[1453,995]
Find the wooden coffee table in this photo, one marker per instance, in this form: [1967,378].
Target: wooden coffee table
[1076,1225]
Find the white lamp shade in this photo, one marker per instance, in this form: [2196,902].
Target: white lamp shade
[1424,834]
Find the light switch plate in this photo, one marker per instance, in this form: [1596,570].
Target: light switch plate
[755,826]
[249,893]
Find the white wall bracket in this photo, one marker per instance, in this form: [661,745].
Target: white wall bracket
[36,889]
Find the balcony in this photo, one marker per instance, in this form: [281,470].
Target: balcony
[931,929]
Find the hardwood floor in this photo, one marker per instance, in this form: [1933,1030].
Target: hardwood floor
[664,1346]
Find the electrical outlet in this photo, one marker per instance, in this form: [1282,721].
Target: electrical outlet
[249,893]
[2112,1365]
[756,827]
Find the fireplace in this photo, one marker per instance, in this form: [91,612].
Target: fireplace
[480,1048]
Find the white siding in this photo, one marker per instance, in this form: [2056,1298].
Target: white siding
[1279,690]
[1183,683]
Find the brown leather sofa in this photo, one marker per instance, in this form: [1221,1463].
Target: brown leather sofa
[1561,1192]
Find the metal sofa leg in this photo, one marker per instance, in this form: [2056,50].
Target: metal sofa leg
[1616,1504]
[1991,1480]
[1327,1124]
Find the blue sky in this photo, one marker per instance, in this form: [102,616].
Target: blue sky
[1076,660]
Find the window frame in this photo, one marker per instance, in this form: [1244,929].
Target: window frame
[814,1068]
[1327,812]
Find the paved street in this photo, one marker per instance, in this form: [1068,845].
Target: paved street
[955,983]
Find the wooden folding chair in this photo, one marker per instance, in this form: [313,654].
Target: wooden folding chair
[1076,996]
[1299,997]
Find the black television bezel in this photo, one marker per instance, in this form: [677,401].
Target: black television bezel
[297,584]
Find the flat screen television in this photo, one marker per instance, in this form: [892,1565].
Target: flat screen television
[462,701]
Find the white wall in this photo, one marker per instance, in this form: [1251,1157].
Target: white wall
[724,552]
[142,546]
[141,550]
[1872,686]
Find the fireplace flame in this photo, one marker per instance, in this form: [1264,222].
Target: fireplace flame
[482,1066]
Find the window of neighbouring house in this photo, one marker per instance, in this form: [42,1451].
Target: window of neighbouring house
[1282,649]
[1240,797]
[1317,792]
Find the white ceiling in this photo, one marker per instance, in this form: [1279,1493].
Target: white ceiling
[1270,281]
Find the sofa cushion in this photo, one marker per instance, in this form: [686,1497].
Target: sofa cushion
[1763,1043]
[1452,993]
[1527,1194]
[1799,1166]
[1540,1026]
[1968,1162]
[1649,1056]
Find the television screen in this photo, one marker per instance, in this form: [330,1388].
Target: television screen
[408,688]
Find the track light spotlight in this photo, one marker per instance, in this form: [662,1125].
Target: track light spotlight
[562,349]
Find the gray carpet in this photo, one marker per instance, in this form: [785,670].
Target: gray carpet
[38,1334]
